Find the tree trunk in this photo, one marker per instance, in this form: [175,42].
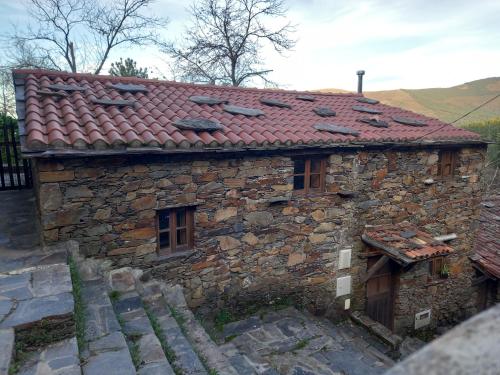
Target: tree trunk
[72,54]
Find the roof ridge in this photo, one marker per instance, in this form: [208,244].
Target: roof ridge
[102,77]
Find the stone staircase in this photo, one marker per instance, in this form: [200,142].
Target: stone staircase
[63,314]
[89,319]
[148,354]
[125,324]
[37,326]
[146,325]
[104,349]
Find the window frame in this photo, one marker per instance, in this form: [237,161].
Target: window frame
[307,175]
[173,228]
[453,156]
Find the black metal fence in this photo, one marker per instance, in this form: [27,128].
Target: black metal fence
[15,172]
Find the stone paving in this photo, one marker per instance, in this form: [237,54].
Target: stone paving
[34,294]
[6,349]
[19,234]
[290,342]
[56,359]
[38,297]
[18,229]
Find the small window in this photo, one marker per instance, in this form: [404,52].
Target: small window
[309,175]
[446,165]
[436,266]
[175,228]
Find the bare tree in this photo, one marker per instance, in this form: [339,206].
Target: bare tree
[224,42]
[7,101]
[79,35]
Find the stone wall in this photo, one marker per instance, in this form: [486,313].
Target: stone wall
[245,245]
[393,190]
[248,246]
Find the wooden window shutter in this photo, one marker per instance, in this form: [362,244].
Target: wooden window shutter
[447,163]
[436,265]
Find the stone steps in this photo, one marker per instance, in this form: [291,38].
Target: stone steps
[143,343]
[212,356]
[130,326]
[37,314]
[142,327]
[184,357]
[146,307]
[379,330]
[105,348]
[108,355]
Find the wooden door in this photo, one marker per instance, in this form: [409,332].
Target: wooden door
[379,294]
[486,294]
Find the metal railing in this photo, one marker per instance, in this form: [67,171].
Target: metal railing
[15,171]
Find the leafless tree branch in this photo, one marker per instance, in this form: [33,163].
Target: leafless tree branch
[7,101]
[224,41]
[78,35]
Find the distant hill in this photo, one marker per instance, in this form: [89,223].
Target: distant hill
[335,91]
[446,104]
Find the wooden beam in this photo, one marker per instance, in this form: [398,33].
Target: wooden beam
[396,255]
[481,269]
[378,265]
[370,254]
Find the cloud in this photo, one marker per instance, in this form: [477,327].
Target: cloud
[400,43]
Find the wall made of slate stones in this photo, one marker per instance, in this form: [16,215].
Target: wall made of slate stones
[254,238]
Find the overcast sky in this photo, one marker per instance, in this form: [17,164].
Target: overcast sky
[400,44]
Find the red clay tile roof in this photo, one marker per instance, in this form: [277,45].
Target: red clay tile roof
[77,119]
[487,245]
[405,242]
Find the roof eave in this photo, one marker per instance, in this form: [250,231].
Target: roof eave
[71,152]
[392,253]
[475,259]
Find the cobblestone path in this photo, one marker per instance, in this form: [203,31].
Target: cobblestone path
[291,342]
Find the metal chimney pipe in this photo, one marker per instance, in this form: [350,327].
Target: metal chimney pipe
[360,74]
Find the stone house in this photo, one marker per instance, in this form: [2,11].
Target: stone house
[247,195]
[486,255]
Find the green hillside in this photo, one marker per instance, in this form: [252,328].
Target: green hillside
[449,103]
[489,129]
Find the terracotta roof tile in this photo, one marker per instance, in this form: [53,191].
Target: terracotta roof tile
[53,122]
[405,242]
[487,244]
